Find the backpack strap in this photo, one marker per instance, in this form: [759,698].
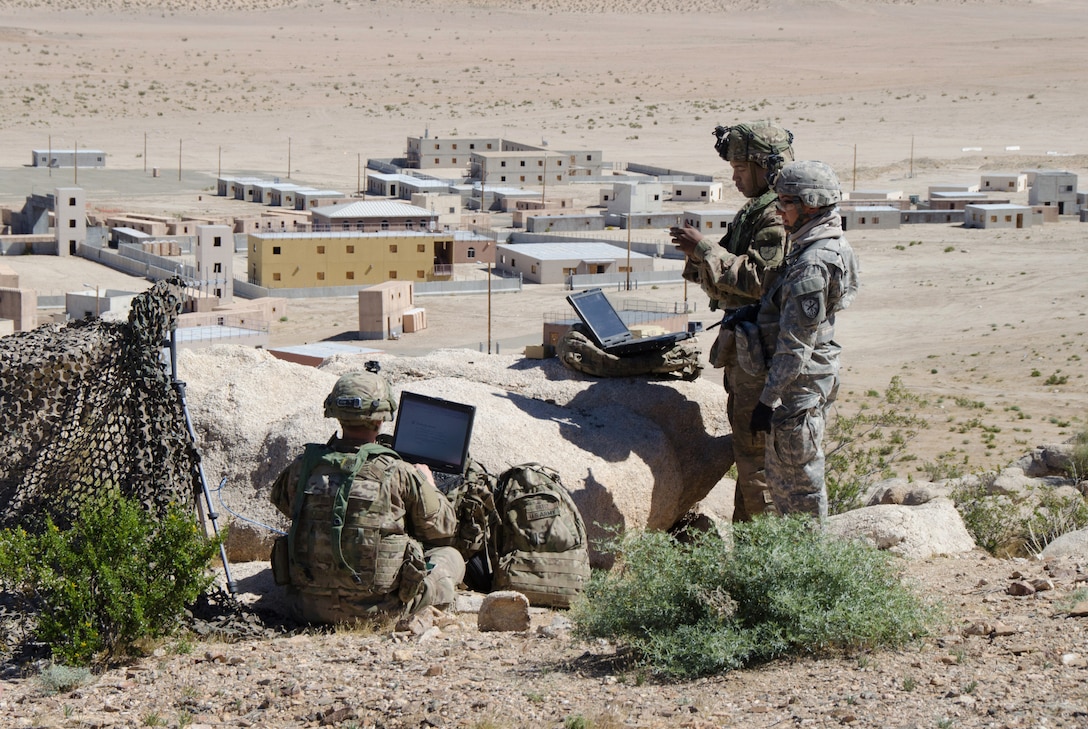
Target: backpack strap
[312,454]
[340,502]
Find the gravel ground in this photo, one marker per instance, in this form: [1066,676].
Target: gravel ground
[999,660]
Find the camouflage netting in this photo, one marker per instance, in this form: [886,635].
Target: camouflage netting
[88,411]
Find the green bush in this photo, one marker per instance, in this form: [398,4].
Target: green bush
[784,588]
[991,519]
[1053,516]
[117,577]
[861,449]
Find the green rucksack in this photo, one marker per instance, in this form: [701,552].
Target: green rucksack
[340,535]
[539,547]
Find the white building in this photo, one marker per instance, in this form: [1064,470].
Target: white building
[549,263]
[707,192]
[1004,182]
[1055,188]
[997,215]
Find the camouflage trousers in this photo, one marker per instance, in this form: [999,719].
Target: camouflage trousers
[795,455]
[445,570]
[742,391]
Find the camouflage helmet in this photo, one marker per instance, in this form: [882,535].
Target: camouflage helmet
[360,397]
[762,142]
[815,183]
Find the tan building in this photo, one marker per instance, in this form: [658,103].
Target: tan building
[350,258]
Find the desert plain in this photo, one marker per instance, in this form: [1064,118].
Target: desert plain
[988,328]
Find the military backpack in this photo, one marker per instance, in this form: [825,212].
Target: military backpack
[539,546]
[343,534]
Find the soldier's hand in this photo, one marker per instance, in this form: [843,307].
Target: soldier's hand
[685,238]
[761,418]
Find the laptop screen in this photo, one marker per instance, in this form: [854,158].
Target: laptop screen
[597,313]
[433,431]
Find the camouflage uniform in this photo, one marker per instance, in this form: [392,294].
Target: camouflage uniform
[412,565]
[797,324]
[733,273]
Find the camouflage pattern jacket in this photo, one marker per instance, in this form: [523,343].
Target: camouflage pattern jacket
[733,272]
[406,515]
[797,313]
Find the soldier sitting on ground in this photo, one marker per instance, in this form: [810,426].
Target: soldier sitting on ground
[370,533]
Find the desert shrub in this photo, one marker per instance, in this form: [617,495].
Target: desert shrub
[991,519]
[1078,466]
[861,449]
[784,588]
[1052,516]
[116,577]
[58,679]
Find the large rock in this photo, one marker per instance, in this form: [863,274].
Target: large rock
[634,452]
[1071,544]
[916,532]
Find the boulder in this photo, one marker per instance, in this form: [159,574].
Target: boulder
[635,452]
[1071,544]
[916,532]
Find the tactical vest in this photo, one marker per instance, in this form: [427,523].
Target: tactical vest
[343,533]
[739,236]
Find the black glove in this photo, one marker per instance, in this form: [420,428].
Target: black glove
[761,418]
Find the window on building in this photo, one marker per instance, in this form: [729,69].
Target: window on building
[392,275]
[876,220]
[625,269]
[993,218]
[540,163]
[703,193]
[523,178]
[421,248]
[349,275]
[420,273]
[569,271]
[71,201]
[392,247]
[385,225]
[455,160]
[861,221]
[275,250]
[523,163]
[71,223]
[436,160]
[539,178]
[532,268]
[513,262]
[502,179]
[217,268]
[351,249]
[502,163]
[589,158]
[217,241]
[275,277]
[657,197]
[321,249]
[470,253]
[559,163]
[1008,218]
[320,275]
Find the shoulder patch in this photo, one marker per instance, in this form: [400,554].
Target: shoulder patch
[811,306]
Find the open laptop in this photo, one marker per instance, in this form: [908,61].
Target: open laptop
[434,432]
[608,331]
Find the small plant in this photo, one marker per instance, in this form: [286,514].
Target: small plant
[1053,516]
[989,518]
[1056,379]
[785,588]
[910,683]
[1078,461]
[862,448]
[60,679]
[117,577]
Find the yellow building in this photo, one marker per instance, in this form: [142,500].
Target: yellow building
[350,258]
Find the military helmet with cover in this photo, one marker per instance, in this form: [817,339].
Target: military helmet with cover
[763,142]
[814,183]
[361,397]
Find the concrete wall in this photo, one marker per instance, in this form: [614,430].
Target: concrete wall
[20,306]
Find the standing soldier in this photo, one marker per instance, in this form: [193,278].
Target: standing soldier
[733,273]
[797,327]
